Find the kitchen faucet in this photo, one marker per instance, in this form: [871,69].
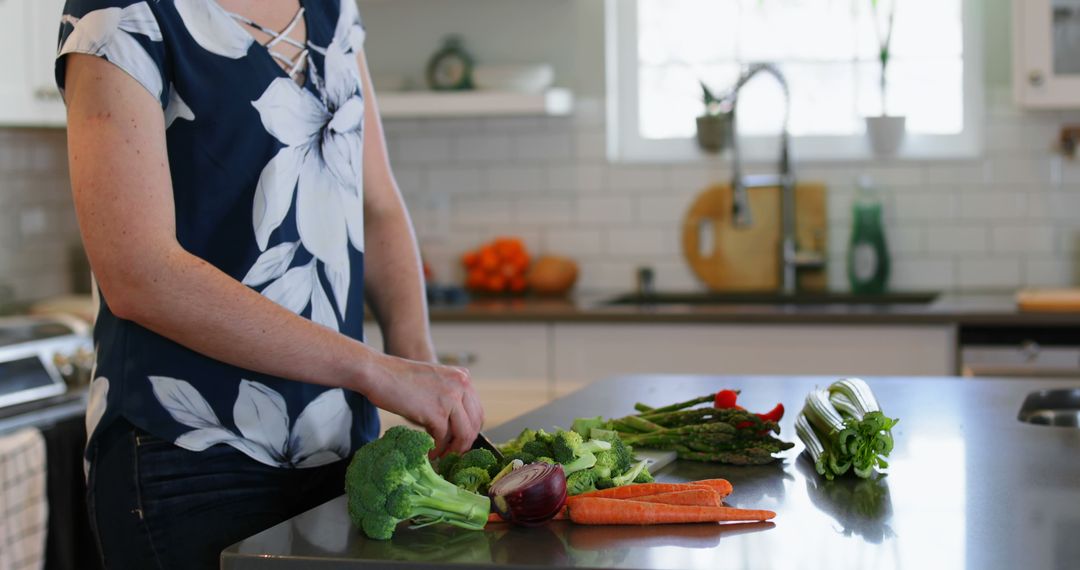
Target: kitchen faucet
[790,258]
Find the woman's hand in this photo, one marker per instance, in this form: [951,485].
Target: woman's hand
[439,398]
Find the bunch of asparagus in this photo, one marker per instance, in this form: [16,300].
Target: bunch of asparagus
[721,435]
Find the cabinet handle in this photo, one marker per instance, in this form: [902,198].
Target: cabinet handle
[47,94]
[461,358]
[1036,78]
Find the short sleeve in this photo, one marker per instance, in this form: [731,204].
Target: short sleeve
[122,32]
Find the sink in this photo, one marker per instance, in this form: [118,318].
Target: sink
[773,298]
[1052,408]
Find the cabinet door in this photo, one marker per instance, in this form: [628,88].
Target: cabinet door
[509,364]
[585,353]
[1046,53]
[28,95]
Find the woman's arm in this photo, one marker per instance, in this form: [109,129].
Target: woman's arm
[393,277]
[123,199]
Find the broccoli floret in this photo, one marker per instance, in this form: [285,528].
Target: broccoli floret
[624,456]
[604,483]
[525,458]
[544,437]
[514,446]
[537,448]
[547,460]
[584,426]
[568,446]
[473,479]
[644,476]
[447,464]
[581,482]
[481,458]
[631,475]
[390,480]
[605,464]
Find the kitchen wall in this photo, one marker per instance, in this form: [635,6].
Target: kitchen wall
[38,234]
[1008,218]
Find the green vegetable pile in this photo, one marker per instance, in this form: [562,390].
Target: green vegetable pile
[600,462]
[474,470]
[721,435]
[844,429]
[390,480]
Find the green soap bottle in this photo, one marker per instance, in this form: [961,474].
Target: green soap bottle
[868,254]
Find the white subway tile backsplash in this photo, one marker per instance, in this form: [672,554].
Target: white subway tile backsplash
[1022,239]
[455,180]
[639,242]
[598,210]
[1047,271]
[516,179]
[668,210]
[573,242]
[939,205]
[483,148]
[637,179]
[584,178]
[421,148]
[990,272]
[982,205]
[482,211]
[545,211]
[953,239]
[1021,170]
[954,173]
[922,274]
[544,147]
[591,146]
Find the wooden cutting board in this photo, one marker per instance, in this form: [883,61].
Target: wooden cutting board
[730,258]
[1049,300]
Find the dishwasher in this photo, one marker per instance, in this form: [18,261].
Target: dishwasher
[1020,352]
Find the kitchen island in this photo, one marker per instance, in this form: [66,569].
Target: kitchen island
[969,486]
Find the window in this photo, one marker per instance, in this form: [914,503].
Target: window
[659,50]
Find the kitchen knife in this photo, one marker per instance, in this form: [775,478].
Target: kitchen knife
[482,442]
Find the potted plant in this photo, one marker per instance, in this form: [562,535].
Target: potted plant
[886,131]
[714,126]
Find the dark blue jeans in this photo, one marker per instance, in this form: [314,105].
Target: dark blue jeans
[155,505]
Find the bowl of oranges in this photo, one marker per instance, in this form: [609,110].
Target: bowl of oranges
[497,267]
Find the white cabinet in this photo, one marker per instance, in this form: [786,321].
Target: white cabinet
[1046,53]
[589,352]
[510,363]
[28,34]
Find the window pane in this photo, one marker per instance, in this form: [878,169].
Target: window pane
[827,49]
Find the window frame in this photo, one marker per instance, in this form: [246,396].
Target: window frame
[625,144]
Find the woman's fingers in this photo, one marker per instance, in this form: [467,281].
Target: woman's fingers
[462,429]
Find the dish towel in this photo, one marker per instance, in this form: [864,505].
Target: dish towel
[24,508]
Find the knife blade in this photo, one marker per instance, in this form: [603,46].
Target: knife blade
[482,442]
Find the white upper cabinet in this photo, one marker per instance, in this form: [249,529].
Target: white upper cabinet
[1046,53]
[28,34]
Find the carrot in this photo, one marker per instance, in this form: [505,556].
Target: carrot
[722,486]
[702,497]
[639,490]
[599,510]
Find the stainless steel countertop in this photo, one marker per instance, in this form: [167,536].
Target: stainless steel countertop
[969,487]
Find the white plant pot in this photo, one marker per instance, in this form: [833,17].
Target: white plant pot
[886,134]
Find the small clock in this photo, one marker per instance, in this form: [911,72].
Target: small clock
[451,67]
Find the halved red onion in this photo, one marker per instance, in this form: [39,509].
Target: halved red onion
[530,495]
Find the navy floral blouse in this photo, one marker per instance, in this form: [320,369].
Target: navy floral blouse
[266,178]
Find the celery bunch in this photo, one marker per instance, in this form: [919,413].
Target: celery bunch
[844,429]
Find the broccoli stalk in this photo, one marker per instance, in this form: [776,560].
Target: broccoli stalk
[390,480]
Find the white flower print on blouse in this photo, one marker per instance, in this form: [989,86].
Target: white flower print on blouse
[107,32]
[321,165]
[321,434]
[213,29]
[95,410]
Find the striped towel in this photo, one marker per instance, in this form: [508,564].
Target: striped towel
[24,509]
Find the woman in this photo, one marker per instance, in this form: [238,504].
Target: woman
[235,199]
